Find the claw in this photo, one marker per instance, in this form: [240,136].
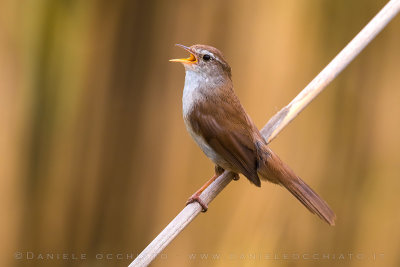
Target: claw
[196,198]
[235,177]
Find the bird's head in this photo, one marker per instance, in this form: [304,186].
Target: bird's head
[205,60]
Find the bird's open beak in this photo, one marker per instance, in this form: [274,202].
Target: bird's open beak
[191,59]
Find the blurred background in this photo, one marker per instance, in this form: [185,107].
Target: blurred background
[95,160]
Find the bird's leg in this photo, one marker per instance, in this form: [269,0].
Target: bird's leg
[196,196]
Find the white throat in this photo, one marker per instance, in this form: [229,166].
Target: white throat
[192,92]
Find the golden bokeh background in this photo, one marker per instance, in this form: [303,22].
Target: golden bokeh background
[95,158]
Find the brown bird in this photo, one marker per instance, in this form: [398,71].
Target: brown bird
[224,131]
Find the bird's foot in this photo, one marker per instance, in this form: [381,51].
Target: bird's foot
[196,198]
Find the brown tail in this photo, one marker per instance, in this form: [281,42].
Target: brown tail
[276,171]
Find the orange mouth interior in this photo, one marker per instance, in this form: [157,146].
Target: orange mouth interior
[190,59]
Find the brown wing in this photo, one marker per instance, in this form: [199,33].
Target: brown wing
[236,145]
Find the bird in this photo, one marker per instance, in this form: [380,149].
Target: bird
[219,124]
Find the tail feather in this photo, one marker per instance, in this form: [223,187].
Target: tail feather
[310,200]
[278,172]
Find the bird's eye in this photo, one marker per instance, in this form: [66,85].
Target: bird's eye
[206,57]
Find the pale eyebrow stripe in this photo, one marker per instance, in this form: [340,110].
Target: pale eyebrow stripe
[203,51]
[208,52]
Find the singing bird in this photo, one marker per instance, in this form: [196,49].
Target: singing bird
[224,131]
